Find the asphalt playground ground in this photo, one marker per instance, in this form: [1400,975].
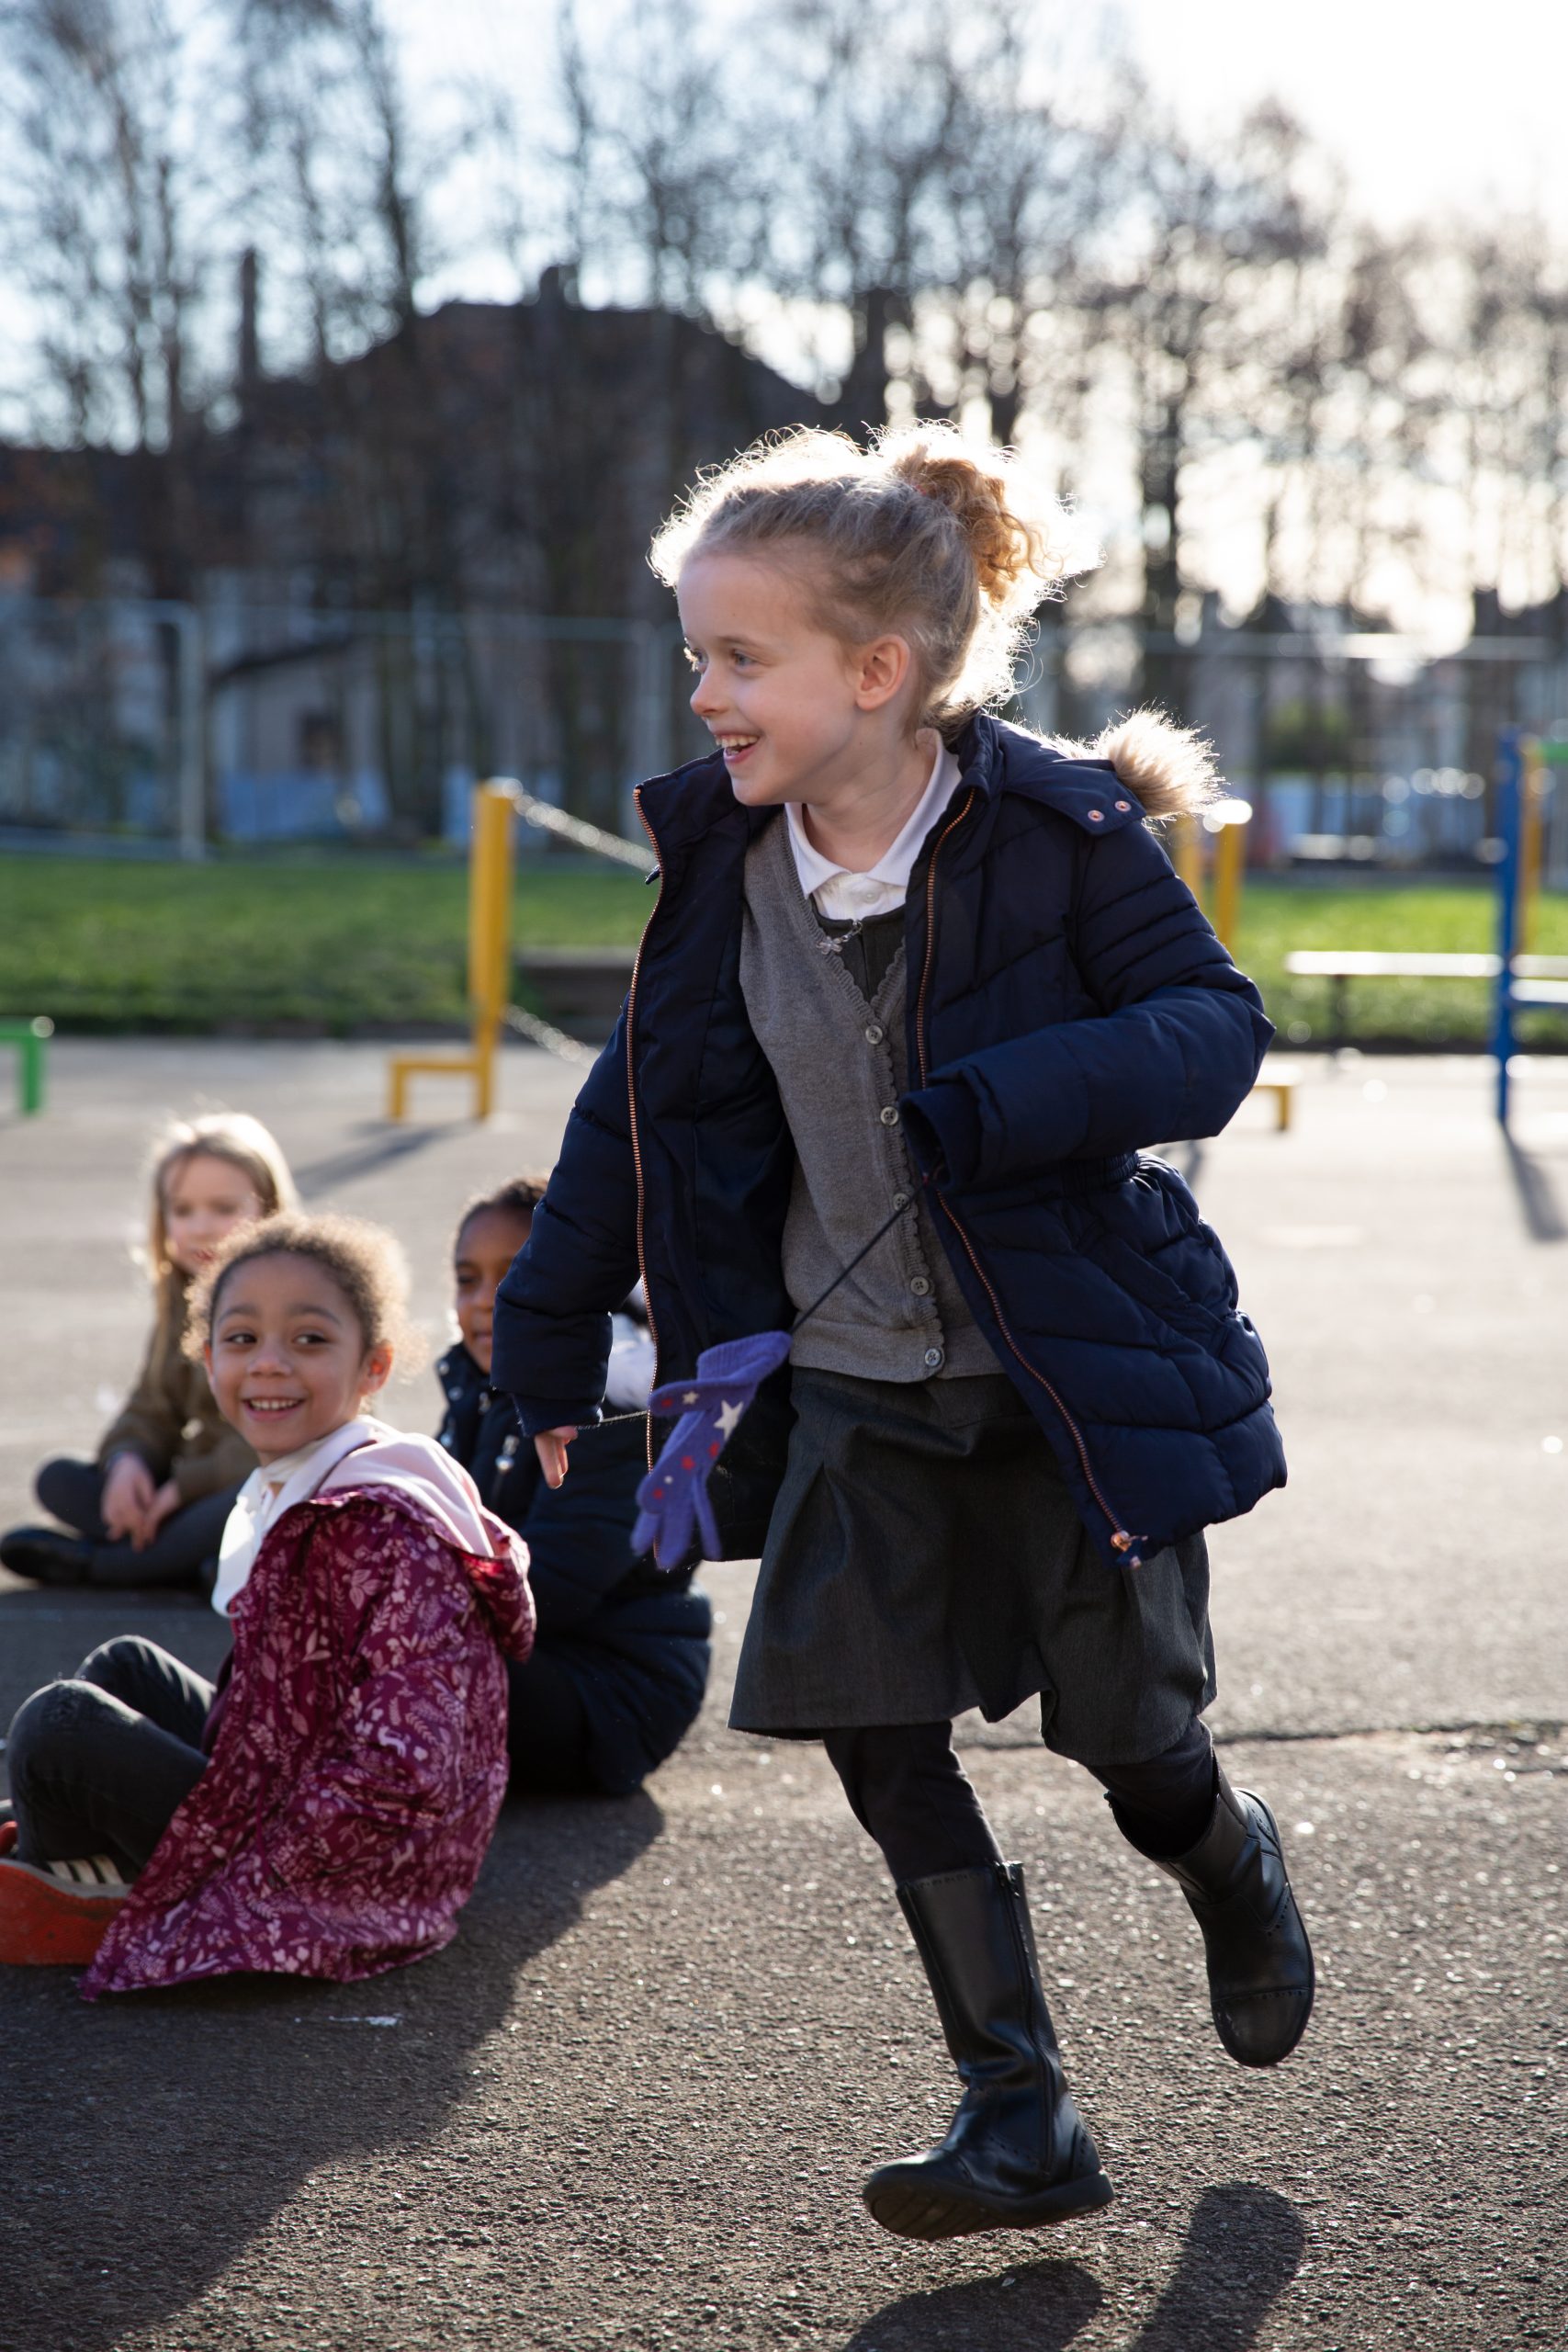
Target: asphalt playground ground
[632,2104]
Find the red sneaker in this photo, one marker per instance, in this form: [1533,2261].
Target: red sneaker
[55,1914]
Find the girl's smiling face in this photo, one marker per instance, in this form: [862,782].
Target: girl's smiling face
[795,711]
[204,1199]
[287,1359]
[486,1246]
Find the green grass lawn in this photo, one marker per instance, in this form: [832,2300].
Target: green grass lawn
[335,944]
[1433,918]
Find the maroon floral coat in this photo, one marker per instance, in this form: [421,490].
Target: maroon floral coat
[359,1758]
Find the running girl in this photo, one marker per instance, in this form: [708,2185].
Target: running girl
[914,971]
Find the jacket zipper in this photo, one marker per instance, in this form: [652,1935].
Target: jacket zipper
[1120,1541]
[631,1110]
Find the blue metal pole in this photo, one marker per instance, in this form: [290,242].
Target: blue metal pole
[1510,812]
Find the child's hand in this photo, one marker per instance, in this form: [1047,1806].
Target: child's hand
[129,1490]
[163,1505]
[550,1445]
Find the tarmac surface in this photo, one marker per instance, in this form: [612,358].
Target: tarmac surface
[631,2105]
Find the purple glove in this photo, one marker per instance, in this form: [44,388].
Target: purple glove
[674,1495]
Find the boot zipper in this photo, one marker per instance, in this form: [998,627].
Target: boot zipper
[1120,1541]
[631,1106]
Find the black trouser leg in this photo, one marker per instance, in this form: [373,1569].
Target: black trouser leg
[1164,1806]
[99,1764]
[187,1543]
[152,1681]
[546,1728]
[908,1791]
[73,1492]
[183,1546]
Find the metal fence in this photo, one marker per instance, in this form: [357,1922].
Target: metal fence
[164,727]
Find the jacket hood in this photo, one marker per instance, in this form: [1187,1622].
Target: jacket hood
[1170,770]
[421,1478]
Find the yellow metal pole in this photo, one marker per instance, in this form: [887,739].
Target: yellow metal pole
[1530,844]
[489,918]
[489,928]
[1188,858]
[1230,863]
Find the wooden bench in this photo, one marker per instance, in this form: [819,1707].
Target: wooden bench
[29,1037]
[1340,965]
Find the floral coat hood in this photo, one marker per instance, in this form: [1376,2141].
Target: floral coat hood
[360,1752]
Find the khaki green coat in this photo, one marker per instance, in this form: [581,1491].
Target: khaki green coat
[171,1420]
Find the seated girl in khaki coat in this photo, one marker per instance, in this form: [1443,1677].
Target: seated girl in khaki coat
[150,1509]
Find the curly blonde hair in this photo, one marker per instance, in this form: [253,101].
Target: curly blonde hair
[920,535]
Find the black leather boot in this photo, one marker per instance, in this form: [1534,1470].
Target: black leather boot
[1017,2155]
[1260,1971]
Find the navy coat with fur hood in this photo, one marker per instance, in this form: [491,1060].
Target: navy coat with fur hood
[1068,1006]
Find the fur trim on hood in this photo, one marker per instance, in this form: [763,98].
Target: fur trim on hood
[1170,768]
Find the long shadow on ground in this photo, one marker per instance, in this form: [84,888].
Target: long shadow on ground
[145,2140]
[1243,2248]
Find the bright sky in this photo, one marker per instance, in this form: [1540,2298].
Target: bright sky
[1428,106]
[1429,103]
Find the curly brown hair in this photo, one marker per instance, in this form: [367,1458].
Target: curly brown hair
[363,1260]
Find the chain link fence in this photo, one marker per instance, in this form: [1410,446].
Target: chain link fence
[162,727]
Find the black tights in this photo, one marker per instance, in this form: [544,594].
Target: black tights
[908,1791]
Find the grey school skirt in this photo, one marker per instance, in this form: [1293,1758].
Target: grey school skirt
[925,1557]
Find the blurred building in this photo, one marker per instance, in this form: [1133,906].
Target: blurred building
[425,562]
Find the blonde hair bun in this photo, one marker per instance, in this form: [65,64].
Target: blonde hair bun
[1015,559]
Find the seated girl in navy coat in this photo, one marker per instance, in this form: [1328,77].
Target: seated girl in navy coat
[620,1657]
[919,990]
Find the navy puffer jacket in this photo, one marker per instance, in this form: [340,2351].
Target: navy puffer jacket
[1068,1006]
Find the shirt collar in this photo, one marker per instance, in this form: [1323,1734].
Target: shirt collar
[271,1491]
[894,866]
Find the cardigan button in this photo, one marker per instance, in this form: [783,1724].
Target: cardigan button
[933,1359]
[921,1286]
[888,1115]
[900,1200]
[874,1034]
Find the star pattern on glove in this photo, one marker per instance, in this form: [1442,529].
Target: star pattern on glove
[673,1501]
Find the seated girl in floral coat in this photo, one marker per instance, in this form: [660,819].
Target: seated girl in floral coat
[323,1811]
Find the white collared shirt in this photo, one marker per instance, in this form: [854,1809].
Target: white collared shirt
[841,894]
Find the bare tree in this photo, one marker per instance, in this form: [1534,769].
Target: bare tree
[1032,188]
[865,100]
[661,200]
[1209,225]
[112,222]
